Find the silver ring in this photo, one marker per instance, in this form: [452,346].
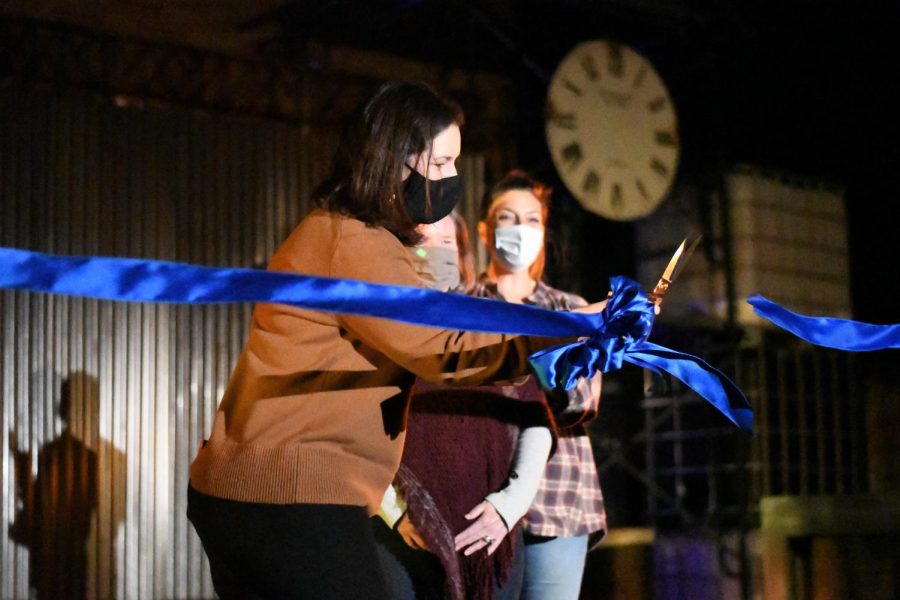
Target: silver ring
[488,540]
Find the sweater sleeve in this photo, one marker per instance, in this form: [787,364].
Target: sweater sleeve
[532,451]
[392,507]
[437,355]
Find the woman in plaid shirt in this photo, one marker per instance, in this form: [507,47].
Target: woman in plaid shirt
[569,505]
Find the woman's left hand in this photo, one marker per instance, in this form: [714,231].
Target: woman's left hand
[486,532]
[410,534]
[596,307]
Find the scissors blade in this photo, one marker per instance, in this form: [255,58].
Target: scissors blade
[669,273]
[685,257]
[674,268]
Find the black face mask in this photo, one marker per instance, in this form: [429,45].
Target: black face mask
[445,194]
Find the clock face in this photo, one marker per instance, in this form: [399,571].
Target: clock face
[612,130]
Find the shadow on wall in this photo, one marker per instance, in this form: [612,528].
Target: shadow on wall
[70,504]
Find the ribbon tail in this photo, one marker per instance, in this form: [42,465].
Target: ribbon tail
[840,334]
[562,366]
[710,383]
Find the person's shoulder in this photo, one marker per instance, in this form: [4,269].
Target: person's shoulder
[310,245]
[367,241]
[560,299]
[325,224]
[317,220]
[315,228]
[484,287]
[371,253]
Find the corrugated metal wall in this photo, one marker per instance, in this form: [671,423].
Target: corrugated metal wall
[126,391]
[104,404]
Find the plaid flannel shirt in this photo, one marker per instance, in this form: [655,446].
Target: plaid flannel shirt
[569,501]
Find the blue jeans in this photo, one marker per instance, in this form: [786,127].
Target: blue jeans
[553,567]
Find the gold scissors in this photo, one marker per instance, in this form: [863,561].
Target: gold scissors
[676,264]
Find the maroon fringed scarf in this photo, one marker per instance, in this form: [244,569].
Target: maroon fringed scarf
[459,448]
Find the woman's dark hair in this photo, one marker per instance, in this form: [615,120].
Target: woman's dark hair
[400,120]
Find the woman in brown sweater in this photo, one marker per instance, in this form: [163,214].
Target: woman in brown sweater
[309,432]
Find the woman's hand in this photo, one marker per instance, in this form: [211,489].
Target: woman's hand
[486,532]
[596,383]
[596,307]
[410,534]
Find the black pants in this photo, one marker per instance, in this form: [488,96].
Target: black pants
[297,551]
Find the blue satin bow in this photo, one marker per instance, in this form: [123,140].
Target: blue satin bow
[841,334]
[617,334]
[627,321]
[622,337]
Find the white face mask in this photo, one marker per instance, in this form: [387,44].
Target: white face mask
[518,246]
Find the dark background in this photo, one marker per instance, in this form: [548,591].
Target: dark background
[800,87]
[810,88]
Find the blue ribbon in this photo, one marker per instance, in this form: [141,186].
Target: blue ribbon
[617,334]
[841,334]
[622,337]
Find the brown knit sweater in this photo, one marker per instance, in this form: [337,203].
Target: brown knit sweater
[315,409]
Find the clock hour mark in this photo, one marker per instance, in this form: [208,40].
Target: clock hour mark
[642,189]
[590,68]
[656,104]
[572,155]
[659,167]
[616,66]
[591,183]
[563,120]
[572,87]
[616,197]
[664,138]
[639,78]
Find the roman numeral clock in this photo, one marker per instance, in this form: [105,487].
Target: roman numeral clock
[612,130]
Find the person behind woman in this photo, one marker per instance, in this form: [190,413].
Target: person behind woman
[472,454]
[569,505]
[308,434]
[444,257]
